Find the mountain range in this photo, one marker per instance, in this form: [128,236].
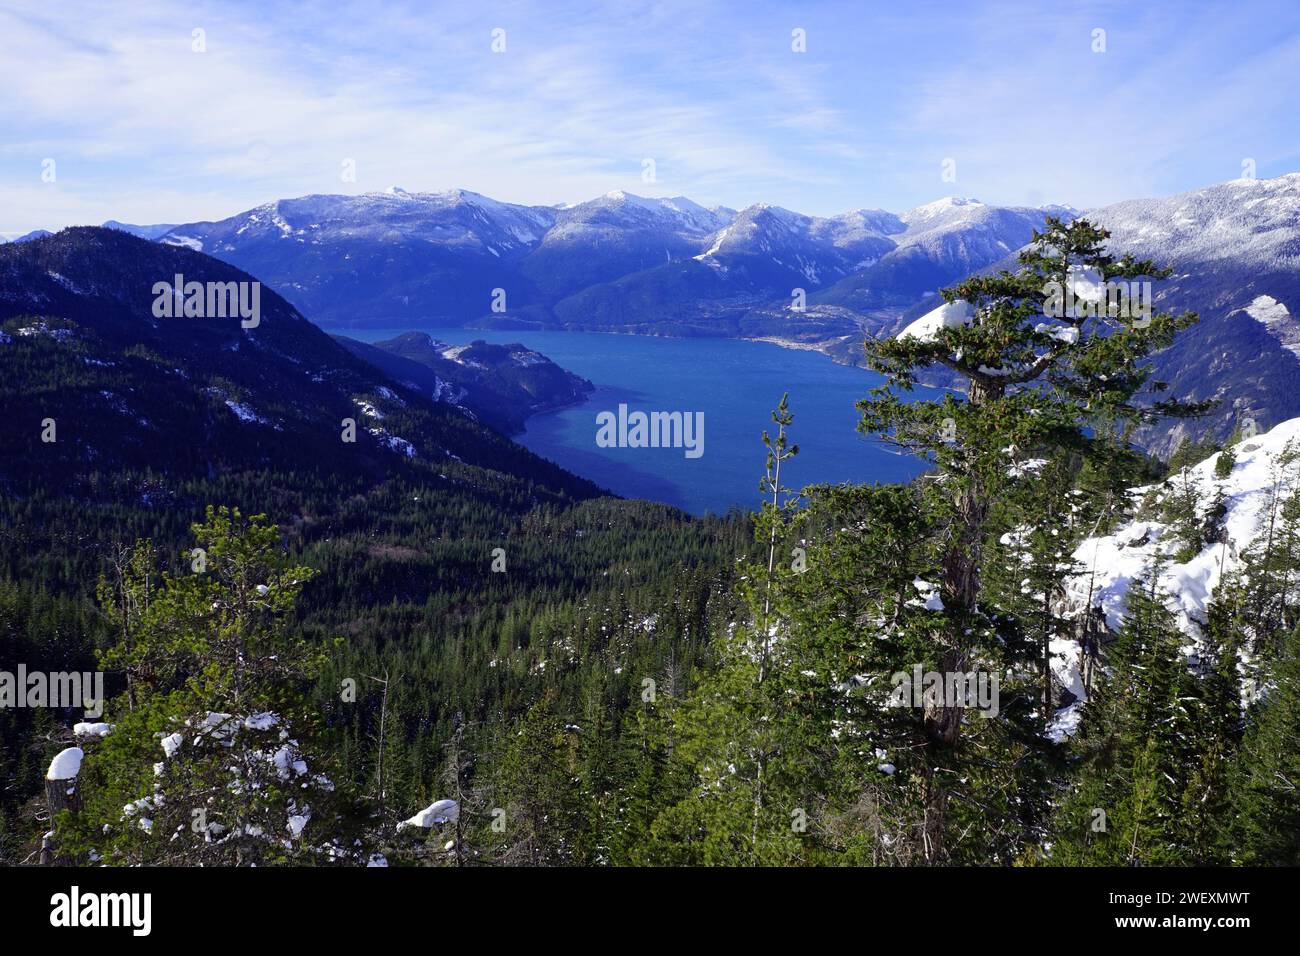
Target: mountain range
[670,266]
[616,263]
[1235,253]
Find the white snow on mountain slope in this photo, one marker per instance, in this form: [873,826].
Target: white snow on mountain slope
[941,211]
[457,218]
[1275,317]
[1120,557]
[821,249]
[1113,562]
[1244,221]
[620,212]
[811,250]
[969,231]
[189,242]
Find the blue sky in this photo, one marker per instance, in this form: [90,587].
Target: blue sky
[144,129]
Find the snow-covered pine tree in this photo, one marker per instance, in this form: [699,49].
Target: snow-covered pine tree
[1037,380]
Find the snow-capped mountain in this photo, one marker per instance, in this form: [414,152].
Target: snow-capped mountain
[618,234]
[1235,252]
[857,269]
[457,219]
[623,262]
[762,254]
[936,244]
[801,248]
[619,261]
[390,255]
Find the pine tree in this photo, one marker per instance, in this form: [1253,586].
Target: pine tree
[1180,509]
[1066,386]
[1266,771]
[211,764]
[1137,756]
[737,736]
[1270,567]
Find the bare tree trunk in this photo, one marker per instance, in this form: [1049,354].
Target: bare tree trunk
[60,795]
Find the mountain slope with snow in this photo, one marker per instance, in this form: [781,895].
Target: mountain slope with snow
[615,235]
[619,262]
[391,255]
[939,243]
[1113,562]
[1235,252]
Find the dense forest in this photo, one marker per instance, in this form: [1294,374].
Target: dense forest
[300,662]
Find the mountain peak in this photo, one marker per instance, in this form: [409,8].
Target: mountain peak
[946,204]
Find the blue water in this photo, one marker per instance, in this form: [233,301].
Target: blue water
[735,384]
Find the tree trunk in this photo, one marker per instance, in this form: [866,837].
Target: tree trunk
[60,795]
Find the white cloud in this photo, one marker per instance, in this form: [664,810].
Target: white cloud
[143,129]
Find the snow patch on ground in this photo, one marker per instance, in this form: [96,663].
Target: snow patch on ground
[189,242]
[246,414]
[440,811]
[1275,317]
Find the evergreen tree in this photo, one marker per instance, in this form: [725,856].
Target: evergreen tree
[209,766]
[1266,771]
[1065,386]
[1137,754]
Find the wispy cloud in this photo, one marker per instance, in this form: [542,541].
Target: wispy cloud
[143,128]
